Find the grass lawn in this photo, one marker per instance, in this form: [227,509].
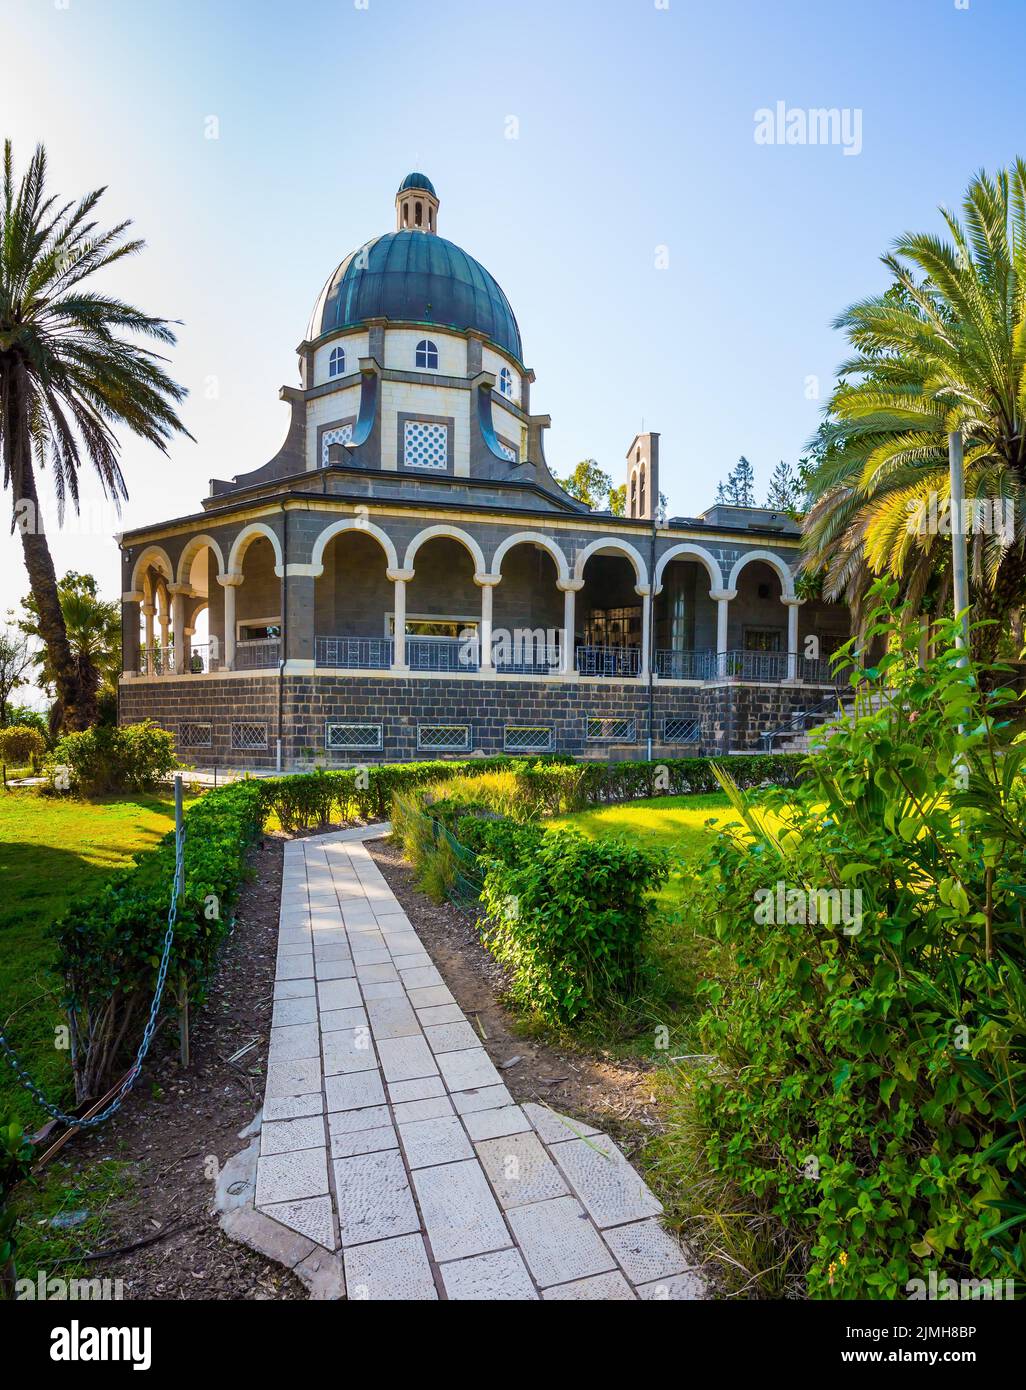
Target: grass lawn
[673,823]
[52,850]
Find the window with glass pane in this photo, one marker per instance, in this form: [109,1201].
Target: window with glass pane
[337,362]
[763,639]
[427,354]
[613,627]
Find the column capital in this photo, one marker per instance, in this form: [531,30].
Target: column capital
[570,586]
[642,590]
[400,576]
[487,581]
[721,595]
[133,596]
[149,610]
[792,602]
[183,590]
[229,581]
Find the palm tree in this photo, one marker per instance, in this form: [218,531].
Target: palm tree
[93,626]
[943,349]
[68,378]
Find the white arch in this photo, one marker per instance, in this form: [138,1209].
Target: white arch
[192,550]
[245,539]
[612,543]
[696,552]
[154,556]
[352,523]
[775,563]
[454,533]
[533,538]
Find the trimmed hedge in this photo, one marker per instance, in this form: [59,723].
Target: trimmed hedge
[559,786]
[109,945]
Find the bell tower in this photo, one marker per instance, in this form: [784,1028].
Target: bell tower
[643,478]
[416,205]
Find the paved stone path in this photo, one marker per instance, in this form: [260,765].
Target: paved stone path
[388,1134]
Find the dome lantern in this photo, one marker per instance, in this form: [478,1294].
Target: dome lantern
[416,205]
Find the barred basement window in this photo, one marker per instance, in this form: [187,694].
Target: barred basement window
[681,730]
[249,736]
[195,735]
[343,737]
[612,730]
[527,738]
[449,738]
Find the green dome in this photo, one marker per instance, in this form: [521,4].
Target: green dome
[418,181]
[419,278]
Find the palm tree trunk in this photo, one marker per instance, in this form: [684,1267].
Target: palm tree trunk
[38,561]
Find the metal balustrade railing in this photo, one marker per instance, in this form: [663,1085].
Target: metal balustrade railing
[528,659]
[609,661]
[257,655]
[761,667]
[355,653]
[685,666]
[442,654]
[203,657]
[157,661]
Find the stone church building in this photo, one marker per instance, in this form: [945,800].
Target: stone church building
[405,577]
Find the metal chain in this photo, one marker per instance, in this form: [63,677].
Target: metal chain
[132,1075]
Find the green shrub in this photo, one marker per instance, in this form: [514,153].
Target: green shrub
[109,759]
[567,915]
[109,946]
[16,1155]
[872,1067]
[21,745]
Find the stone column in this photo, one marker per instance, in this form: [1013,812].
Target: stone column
[570,588]
[792,605]
[229,583]
[163,617]
[486,583]
[645,594]
[722,597]
[179,593]
[130,602]
[149,611]
[400,579]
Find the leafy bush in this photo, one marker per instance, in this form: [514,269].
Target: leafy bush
[109,759]
[16,1154]
[22,745]
[868,1096]
[567,915]
[109,946]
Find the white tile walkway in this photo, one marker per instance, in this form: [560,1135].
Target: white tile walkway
[388,1134]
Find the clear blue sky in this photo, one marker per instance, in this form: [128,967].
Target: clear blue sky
[636,130]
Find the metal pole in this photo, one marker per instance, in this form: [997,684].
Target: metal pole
[183,983]
[959,559]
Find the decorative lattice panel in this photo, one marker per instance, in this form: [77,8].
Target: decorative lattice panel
[342,737]
[511,453]
[249,736]
[425,445]
[453,738]
[612,730]
[681,731]
[342,435]
[195,736]
[527,738]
